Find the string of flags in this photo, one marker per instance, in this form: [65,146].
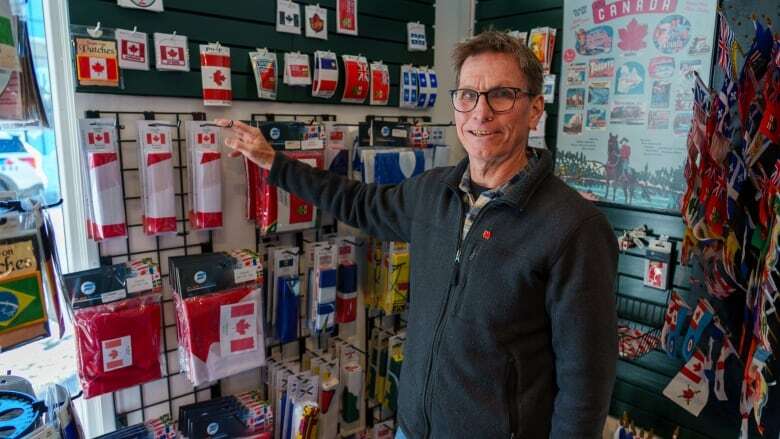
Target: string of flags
[731,211]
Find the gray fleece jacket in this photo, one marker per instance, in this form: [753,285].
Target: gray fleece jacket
[517,338]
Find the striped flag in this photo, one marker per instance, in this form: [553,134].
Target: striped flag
[725,46]
[215,73]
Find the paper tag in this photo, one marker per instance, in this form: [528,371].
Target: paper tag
[292,144]
[117,353]
[238,328]
[112,296]
[312,144]
[399,133]
[245,274]
[138,284]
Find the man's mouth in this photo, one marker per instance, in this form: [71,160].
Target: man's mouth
[482,133]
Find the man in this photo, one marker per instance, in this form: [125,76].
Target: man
[511,326]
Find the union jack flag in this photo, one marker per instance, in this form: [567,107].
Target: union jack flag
[725,45]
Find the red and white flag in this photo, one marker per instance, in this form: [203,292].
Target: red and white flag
[265,70]
[296,69]
[98,69]
[96,62]
[171,52]
[356,81]
[159,201]
[238,328]
[689,388]
[205,166]
[133,49]
[117,353]
[380,84]
[106,218]
[215,74]
[726,350]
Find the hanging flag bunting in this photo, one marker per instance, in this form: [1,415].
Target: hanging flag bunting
[215,75]
[264,66]
[96,62]
[133,49]
[726,350]
[689,388]
[171,52]
[205,170]
[296,69]
[700,319]
[149,5]
[409,88]
[326,74]
[415,41]
[156,163]
[346,15]
[356,84]
[316,22]
[380,84]
[288,17]
[103,178]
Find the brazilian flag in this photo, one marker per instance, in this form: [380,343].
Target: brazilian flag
[21,302]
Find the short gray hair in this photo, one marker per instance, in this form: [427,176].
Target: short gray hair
[500,42]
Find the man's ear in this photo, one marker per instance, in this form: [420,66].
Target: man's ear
[537,108]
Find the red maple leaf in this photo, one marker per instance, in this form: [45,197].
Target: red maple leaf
[688,394]
[155,139]
[99,138]
[632,37]
[219,78]
[697,367]
[113,354]
[133,48]
[98,67]
[173,53]
[242,326]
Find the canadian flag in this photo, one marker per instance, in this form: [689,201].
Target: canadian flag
[98,69]
[155,139]
[207,188]
[133,51]
[215,74]
[99,138]
[689,388]
[107,206]
[172,55]
[206,138]
[238,328]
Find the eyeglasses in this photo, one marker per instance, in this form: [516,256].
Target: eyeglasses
[499,99]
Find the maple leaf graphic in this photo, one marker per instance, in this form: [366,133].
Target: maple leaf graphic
[688,394]
[242,326]
[113,354]
[632,37]
[173,53]
[133,48]
[98,67]
[219,77]
[98,138]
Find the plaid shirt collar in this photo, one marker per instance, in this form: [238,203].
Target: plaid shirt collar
[490,194]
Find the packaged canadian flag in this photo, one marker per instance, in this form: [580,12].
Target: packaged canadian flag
[219,320]
[102,178]
[296,69]
[205,171]
[264,66]
[215,74]
[156,165]
[380,84]
[326,74]
[356,82]
[96,62]
[171,52]
[133,49]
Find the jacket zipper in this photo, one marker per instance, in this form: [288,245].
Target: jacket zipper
[437,332]
[511,386]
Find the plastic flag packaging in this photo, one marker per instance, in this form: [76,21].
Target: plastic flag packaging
[205,172]
[296,69]
[102,179]
[133,49]
[415,37]
[219,322]
[428,83]
[171,52]
[322,287]
[326,74]
[156,163]
[215,75]
[116,315]
[316,22]
[380,84]
[288,17]
[356,80]
[391,165]
[264,66]
[409,87]
[96,62]
[346,17]
[346,290]
[147,5]
[285,292]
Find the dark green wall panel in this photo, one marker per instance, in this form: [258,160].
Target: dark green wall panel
[244,26]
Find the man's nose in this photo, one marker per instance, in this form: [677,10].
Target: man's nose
[482,110]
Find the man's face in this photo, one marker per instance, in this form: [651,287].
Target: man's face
[488,136]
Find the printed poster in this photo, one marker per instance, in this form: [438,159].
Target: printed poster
[626,94]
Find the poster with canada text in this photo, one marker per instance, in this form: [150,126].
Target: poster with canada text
[626,96]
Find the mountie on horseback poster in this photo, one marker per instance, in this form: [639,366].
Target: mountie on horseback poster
[626,97]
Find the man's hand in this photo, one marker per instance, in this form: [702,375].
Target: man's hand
[248,141]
